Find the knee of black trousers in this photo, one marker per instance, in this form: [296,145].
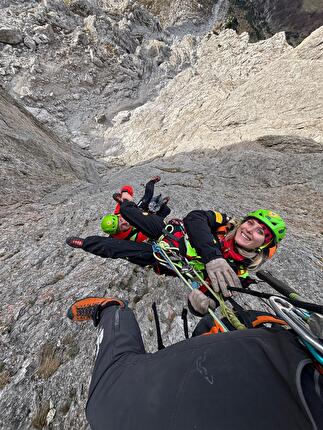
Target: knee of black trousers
[126,207]
[127,204]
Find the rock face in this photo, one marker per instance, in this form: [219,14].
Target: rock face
[74,61]
[46,361]
[176,13]
[33,161]
[235,91]
[79,60]
[263,18]
[10,36]
[236,128]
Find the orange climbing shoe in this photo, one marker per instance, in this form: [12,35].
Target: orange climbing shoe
[87,309]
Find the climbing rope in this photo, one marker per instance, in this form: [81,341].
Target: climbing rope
[177,263]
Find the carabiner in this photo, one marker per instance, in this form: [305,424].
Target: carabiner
[288,313]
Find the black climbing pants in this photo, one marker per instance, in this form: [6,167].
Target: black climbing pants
[163,212]
[244,380]
[136,252]
[151,225]
[139,253]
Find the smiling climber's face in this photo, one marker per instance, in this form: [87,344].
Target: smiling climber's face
[123,224]
[250,235]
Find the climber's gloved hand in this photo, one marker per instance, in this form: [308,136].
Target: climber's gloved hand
[200,302]
[222,276]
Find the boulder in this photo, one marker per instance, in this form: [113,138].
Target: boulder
[11,36]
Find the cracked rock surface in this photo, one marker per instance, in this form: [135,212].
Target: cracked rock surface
[83,66]
[46,360]
[235,126]
[234,92]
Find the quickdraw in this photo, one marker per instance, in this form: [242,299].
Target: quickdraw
[169,257]
[297,319]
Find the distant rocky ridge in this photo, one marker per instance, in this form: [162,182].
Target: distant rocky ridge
[263,18]
[235,91]
[76,64]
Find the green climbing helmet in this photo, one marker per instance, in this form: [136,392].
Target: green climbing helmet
[272,220]
[110,224]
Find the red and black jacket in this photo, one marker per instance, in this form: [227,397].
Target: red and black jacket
[131,234]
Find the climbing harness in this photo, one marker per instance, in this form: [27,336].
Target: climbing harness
[170,257]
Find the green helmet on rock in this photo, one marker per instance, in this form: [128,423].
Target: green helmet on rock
[110,224]
[272,220]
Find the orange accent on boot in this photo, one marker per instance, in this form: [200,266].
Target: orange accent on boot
[84,309]
[75,242]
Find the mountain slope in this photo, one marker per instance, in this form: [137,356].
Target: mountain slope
[236,91]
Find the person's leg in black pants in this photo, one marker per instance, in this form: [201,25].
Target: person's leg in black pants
[149,193]
[139,253]
[164,211]
[150,224]
[119,340]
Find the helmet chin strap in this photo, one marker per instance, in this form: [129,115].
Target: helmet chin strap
[266,245]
